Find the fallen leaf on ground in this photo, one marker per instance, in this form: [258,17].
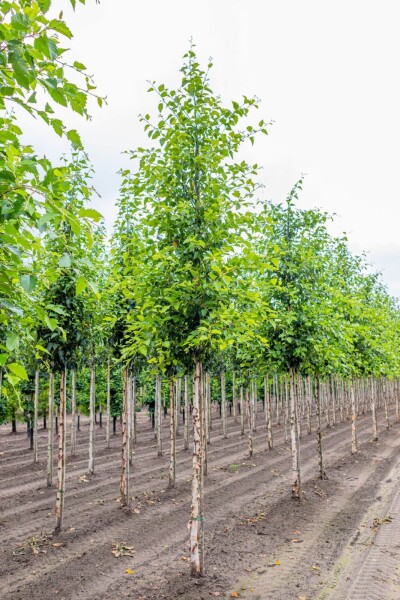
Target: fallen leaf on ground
[234,595]
[129,571]
[120,549]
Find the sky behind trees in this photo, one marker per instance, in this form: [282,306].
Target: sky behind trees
[326,74]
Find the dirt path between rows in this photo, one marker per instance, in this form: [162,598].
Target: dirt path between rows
[260,545]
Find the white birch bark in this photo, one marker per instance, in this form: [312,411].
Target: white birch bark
[92,409]
[73,412]
[59,506]
[108,416]
[187,413]
[124,479]
[250,408]
[293,438]
[241,410]
[50,432]
[223,405]
[158,409]
[196,516]
[268,412]
[353,419]
[35,417]
[172,434]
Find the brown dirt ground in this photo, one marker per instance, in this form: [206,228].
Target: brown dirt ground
[260,544]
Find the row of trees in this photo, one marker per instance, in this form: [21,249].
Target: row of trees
[200,275]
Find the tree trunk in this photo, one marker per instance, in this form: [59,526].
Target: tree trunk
[286,412]
[92,408]
[196,523]
[203,421]
[124,480]
[50,432]
[35,417]
[177,405]
[385,401]
[293,439]
[108,423]
[187,419]
[234,399]
[373,413]
[322,474]
[158,408]
[309,403]
[59,508]
[208,385]
[250,408]
[133,423]
[353,419]
[223,405]
[172,438]
[73,416]
[241,405]
[131,417]
[254,404]
[268,411]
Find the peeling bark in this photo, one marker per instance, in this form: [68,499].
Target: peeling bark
[108,409]
[249,421]
[196,523]
[35,417]
[158,409]
[293,439]
[268,412]
[50,432]
[73,410]
[354,448]
[59,507]
[187,415]
[124,479]
[241,411]
[172,437]
[223,405]
[92,408]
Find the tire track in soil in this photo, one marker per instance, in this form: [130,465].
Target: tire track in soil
[370,564]
[304,568]
[178,528]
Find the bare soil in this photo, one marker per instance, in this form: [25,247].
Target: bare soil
[260,544]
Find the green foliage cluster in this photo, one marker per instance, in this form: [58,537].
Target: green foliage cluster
[199,267]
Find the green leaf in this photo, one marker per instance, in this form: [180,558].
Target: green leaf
[80,285]
[47,46]
[44,5]
[65,260]
[91,214]
[60,27]
[28,282]
[20,22]
[3,359]
[51,323]
[80,66]
[74,138]
[12,341]
[18,370]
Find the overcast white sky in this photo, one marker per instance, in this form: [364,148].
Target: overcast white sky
[327,73]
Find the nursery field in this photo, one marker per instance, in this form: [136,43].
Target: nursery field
[339,541]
